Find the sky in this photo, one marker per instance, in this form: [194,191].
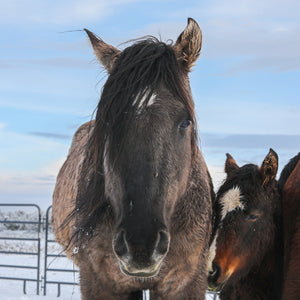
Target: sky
[245,84]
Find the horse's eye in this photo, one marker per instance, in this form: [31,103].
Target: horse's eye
[185,124]
[252,217]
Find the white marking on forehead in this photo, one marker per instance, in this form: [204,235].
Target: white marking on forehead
[143,99]
[230,201]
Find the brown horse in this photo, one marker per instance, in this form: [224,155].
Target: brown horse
[246,252]
[289,184]
[133,201]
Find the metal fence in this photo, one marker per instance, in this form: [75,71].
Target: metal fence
[14,231]
[35,240]
[39,228]
[47,267]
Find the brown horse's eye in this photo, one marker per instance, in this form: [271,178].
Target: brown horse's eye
[185,124]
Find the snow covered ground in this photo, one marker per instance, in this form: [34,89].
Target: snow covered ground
[13,289]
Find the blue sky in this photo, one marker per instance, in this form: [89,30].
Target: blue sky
[245,84]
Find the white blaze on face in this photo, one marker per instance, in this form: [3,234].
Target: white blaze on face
[230,201]
[212,253]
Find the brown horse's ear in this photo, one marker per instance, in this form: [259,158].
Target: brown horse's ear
[230,164]
[269,167]
[188,44]
[105,53]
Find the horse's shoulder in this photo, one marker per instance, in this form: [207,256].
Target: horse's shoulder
[81,135]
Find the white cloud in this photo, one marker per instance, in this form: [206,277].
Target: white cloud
[29,166]
[30,186]
[260,35]
[21,152]
[57,12]
[26,189]
[247,117]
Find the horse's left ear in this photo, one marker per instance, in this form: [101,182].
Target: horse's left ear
[230,164]
[269,167]
[188,44]
[105,53]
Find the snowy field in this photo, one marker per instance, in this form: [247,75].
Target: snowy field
[13,289]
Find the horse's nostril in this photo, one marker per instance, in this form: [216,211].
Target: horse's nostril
[120,245]
[163,242]
[216,271]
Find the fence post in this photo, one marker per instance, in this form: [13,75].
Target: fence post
[46,249]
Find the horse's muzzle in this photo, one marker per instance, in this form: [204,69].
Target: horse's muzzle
[141,259]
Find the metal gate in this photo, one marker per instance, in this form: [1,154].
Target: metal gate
[33,238]
[40,229]
[47,266]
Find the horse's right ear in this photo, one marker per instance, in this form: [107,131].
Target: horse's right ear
[188,44]
[230,164]
[269,167]
[105,53]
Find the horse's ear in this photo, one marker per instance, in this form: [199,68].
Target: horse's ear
[269,167]
[105,53]
[230,164]
[188,44]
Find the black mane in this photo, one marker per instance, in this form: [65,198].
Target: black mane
[287,170]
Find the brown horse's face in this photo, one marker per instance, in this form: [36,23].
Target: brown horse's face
[147,178]
[246,228]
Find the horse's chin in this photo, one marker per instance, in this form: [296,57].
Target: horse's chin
[144,273]
[214,286]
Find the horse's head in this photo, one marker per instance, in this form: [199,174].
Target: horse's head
[144,142]
[247,204]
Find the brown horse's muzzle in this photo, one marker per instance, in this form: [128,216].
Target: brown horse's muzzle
[138,255]
[222,271]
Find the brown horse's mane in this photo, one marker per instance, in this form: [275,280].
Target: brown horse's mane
[141,69]
[287,170]
[247,174]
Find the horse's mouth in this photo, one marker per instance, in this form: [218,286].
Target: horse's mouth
[140,273]
[216,285]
